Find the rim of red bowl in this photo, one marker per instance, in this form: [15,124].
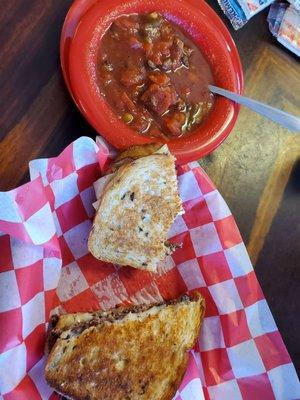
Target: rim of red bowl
[72,19]
[208,32]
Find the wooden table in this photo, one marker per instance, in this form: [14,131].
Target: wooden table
[257,169]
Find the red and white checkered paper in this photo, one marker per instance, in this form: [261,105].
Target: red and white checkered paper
[46,266]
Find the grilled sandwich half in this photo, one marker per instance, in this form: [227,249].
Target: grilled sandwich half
[135,353]
[137,208]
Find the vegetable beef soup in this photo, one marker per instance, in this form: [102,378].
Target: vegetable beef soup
[153,76]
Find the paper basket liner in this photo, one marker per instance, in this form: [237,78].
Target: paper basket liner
[45,267]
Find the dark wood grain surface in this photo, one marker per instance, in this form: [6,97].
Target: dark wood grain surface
[257,169]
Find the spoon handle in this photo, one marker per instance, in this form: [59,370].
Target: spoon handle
[281,117]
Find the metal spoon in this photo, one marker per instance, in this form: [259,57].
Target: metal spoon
[281,117]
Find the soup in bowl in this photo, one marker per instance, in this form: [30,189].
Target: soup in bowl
[140,72]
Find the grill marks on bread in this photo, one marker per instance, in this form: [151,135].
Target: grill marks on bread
[138,353]
[137,209]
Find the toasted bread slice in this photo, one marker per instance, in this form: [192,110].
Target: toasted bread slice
[126,157]
[135,152]
[137,208]
[136,353]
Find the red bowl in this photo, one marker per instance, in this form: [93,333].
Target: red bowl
[73,17]
[206,30]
